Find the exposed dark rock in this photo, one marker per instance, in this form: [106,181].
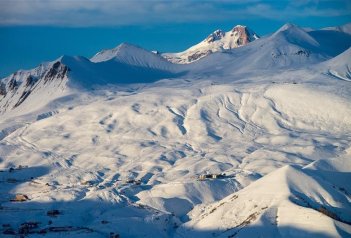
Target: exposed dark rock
[218,34]
[13,84]
[244,35]
[2,89]
[24,95]
[30,80]
[198,55]
[57,71]
[303,52]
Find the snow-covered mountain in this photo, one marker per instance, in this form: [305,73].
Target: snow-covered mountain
[253,141]
[41,85]
[218,41]
[133,55]
[290,46]
[130,64]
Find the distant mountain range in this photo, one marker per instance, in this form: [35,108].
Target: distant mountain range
[235,51]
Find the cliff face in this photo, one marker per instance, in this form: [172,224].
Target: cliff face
[243,35]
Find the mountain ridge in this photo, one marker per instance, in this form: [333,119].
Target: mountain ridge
[289,46]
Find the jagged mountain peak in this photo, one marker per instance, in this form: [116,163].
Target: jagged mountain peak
[217,41]
[237,33]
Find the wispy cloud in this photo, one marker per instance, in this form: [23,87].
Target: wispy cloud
[144,12]
[300,8]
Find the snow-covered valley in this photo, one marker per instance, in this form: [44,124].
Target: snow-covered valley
[253,141]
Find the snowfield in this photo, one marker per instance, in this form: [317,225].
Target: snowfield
[117,144]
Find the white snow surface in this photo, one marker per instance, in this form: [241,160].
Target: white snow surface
[117,143]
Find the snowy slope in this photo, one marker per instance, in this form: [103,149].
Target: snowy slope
[166,135]
[338,67]
[218,41]
[275,206]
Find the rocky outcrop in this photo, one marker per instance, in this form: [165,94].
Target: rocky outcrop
[243,35]
[57,71]
[217,35]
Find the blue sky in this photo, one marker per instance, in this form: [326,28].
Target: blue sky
[32,31]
